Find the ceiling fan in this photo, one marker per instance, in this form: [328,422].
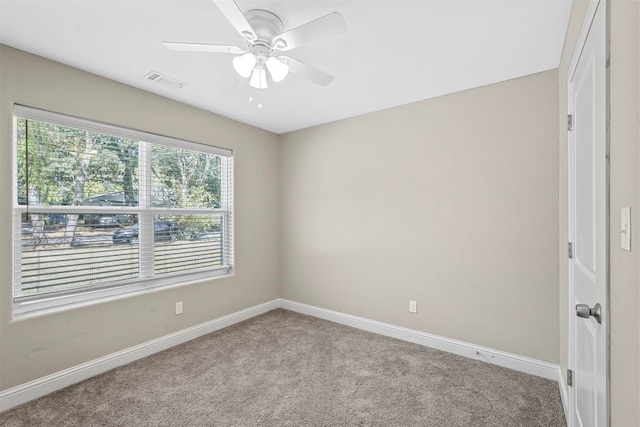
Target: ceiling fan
[264,34]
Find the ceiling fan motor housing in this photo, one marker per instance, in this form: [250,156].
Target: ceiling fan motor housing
[266,25]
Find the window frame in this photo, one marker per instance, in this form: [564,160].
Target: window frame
[48,302]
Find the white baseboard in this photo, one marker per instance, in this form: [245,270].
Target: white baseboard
[45,385]
[496,357]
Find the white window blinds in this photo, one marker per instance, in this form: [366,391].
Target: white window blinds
[101,211]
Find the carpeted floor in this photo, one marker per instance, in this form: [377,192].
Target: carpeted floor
[287,369]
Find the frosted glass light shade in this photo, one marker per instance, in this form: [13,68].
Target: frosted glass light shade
[244,64]
[259,78]
[277,68]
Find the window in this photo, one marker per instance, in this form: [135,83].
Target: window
[101,211]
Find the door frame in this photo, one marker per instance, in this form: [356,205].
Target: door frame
[571,316]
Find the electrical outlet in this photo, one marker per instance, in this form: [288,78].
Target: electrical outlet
[179,307]
[413,306]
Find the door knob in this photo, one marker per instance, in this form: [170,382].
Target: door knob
[583,310]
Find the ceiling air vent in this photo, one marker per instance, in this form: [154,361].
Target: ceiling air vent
[164,80]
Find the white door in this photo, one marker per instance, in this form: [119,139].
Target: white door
[588,192]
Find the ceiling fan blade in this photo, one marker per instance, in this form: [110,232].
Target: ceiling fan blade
[202,47]
[232,12]
[330,24]
[307,71]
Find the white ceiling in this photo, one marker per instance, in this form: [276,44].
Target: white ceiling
[394,52]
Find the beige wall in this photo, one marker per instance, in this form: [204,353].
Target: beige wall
[625,190]
[451,202]
[34,348]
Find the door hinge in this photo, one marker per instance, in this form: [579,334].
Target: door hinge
[569,377]
[570,122]
[570,250]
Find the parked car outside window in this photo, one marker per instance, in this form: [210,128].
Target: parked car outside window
[164,231]
[101,220]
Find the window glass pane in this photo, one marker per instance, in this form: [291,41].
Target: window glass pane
[184,178]
[188,242]
[71,251]
[60,165]
[88,202]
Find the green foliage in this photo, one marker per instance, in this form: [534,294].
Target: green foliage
[59,165]
[185,178]
[45,162]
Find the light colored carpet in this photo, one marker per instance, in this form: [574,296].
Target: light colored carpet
[287,369]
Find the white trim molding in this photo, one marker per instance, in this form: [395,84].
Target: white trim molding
[25,392]
[564,394]
[472,351]
[45,385]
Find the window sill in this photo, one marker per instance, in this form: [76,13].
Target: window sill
[23,310]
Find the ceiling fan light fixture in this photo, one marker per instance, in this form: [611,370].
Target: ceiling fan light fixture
[264,33]
[277,68]
[259,77]
[244,64]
